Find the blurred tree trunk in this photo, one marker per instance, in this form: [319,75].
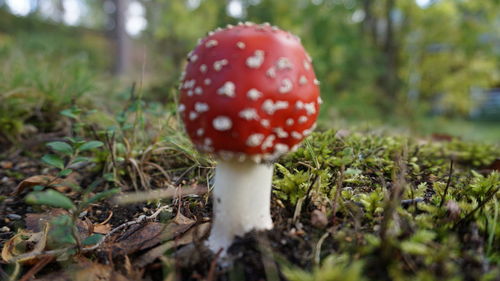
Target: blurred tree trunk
[121,40]
[59,5]
[370,21]
[390,50]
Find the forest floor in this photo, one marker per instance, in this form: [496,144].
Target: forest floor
[346,206]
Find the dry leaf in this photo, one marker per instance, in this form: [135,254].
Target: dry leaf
[86,271]
[150,235]
[22,243]
[102,228]
[32,181]
[61,185]
[191,235]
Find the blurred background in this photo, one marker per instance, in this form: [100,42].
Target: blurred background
[424,67]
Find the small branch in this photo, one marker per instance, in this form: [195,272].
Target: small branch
[491,192]
[450,173]
[340,180]
[139,220]
[57,252]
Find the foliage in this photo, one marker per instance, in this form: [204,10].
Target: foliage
[400,214]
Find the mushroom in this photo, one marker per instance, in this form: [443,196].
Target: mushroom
[248,96]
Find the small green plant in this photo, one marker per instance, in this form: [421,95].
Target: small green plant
[62,229]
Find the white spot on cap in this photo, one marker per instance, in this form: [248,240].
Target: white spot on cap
[310,108]
[226,155]
[240,45]
[211,43]
[308,57]
[249,114]
[198,90]
[189,84]
[256,158]
[207,141]
[308,132]
[200,132]
[307,66]
[193,58]
[286,86]
[280,149]
[299,105]
[222,123]
[183,75]
[193,115]
[229,26]
[271,72]
[203,68]
[282,134]
[316,82]
[181,108]
[265,123]
[254,94]
[190,93]
[228,89]
[255,140]
[268,142]
[270,107]
[207,81]
[296,135]
[283,63]
[302,80]
[256,60]
[201,107]
[289,122]
[302,119]
[219,64]
[320,100]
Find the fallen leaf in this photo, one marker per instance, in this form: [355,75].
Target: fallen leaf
[191,235]
[149,235]
[23,243]
[86,271]
[61,185]
[102,228]
[442,137]
[37,222]
[495,166]
[6,165]
[33,181]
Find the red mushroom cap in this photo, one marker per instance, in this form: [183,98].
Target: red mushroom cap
[249,90]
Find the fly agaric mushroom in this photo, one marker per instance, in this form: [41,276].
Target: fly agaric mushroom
[248,95]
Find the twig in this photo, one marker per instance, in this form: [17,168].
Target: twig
[57,252]
[340,180]
[139,220]
[479,206]
[450,173]
[35,269]
[213,266]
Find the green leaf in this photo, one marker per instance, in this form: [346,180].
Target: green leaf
[92,239]
[61,147]
[81,159]
[38,187]
[64,173]
[60,232]
[51,198]
[90,145]
[53,160]
[100,196]
[71,113]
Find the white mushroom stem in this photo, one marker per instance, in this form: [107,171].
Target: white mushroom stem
[241,199]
